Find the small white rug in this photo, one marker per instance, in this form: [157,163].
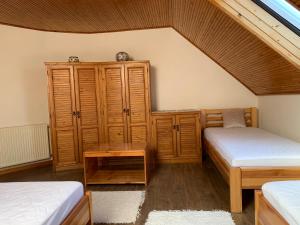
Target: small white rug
[117,206]
[189,218]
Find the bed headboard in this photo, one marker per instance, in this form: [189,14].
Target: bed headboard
[214,117]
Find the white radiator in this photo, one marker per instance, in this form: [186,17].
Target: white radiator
[23,144]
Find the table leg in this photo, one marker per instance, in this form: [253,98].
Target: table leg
[146,168]
[85,168]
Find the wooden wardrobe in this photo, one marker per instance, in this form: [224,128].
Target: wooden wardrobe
[97,102]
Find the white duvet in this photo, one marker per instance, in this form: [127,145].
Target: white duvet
[246,147]
[284,196]
[37,203]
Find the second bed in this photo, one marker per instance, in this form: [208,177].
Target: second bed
[249,157]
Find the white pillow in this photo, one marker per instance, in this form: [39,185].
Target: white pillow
[234,118]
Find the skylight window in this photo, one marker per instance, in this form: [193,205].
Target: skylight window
[283,11]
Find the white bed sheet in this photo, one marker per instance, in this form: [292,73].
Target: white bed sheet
[284,196]
[38,203]
[246,147]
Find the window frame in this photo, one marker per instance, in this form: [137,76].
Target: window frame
[277,16]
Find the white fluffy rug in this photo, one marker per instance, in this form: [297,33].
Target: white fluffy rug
[116,206]
[189,218]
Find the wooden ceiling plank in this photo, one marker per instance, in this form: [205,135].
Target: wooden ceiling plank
[246,57]
[243,54]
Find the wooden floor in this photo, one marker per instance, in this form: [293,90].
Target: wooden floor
[172,187]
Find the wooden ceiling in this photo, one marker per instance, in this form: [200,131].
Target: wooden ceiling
[238,51]
[296,3]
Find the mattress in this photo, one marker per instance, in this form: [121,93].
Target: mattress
[37,203]
[284,196]
[246,147]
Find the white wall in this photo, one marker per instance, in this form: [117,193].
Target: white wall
[182,76]
[281,114]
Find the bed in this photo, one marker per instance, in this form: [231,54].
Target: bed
[44,203]
[278,203]
[258,165]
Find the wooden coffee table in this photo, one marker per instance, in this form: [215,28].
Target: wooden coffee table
[95,173]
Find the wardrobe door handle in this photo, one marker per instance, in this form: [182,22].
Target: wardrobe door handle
[177,127]
[128,111]
[74,113]
[78,114]
[124,110]
[174,127]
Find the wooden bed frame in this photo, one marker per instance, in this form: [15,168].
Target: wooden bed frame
[265,214]
[81,213]
[239,178]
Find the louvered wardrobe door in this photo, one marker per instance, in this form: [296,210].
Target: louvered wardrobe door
[188,135]
[63,122]
[164,136]
[88,106]
[138,101]
[114,103]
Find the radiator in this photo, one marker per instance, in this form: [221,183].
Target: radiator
[24,144]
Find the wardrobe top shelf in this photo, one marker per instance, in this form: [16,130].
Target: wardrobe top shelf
[176,111]
[83,63]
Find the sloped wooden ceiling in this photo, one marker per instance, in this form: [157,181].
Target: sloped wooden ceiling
[296,3]
[238,51]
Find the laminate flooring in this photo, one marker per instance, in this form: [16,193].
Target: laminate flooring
[171,187]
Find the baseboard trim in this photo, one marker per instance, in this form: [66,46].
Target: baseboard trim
[179,160]
[68,167]
[25,166]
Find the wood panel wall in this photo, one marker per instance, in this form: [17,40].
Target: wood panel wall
[238,51]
